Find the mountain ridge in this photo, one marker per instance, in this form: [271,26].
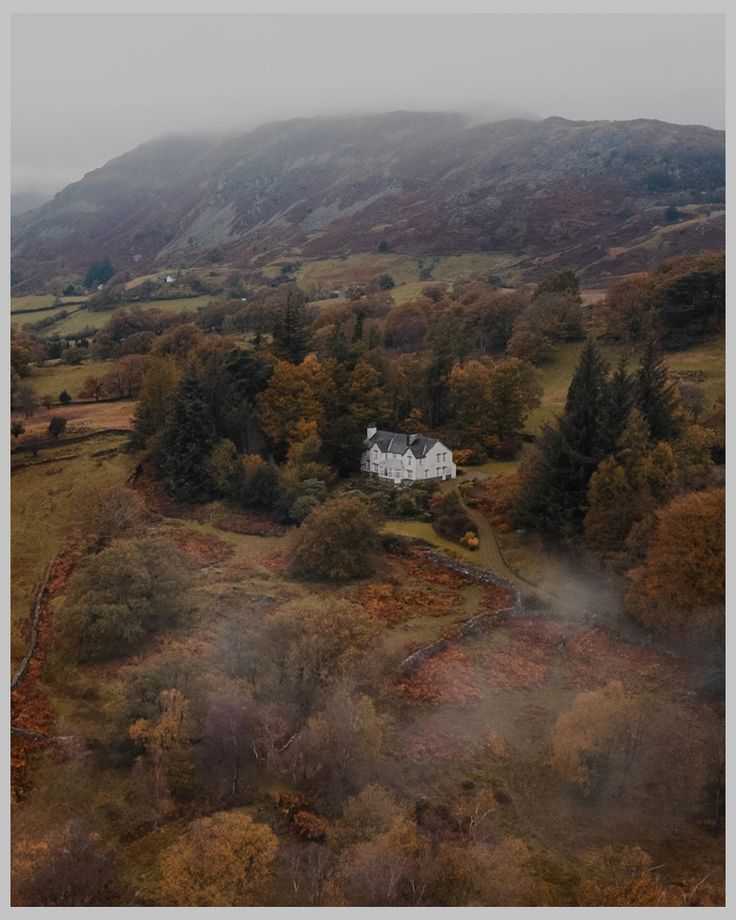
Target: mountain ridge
[593,194]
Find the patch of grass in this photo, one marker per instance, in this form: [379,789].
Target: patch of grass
[456,268]
[709,357]
[359,267]
[31,302]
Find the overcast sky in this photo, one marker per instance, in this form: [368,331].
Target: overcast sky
[86,88]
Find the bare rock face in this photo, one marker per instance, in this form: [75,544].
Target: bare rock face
[598,196]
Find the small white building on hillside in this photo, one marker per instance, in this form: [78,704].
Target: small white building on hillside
[406,458]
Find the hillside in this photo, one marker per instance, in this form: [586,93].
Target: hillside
[605,197]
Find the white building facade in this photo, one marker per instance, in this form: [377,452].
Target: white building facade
[406,458]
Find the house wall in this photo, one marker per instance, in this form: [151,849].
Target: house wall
[436,464]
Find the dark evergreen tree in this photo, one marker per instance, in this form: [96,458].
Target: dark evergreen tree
[359,323]
[656,397]
[290,332]
[99,272]
[446,349]
[186,441]
[618,401]
[343,443]
[556,481]
[230,382]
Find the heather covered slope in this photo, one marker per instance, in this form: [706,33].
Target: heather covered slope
[605,197]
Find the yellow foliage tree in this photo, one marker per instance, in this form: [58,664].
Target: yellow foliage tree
[220,861]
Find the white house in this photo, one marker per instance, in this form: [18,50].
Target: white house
[406,458]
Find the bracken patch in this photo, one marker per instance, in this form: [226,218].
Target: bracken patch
[205,549]
[596,657]
[446,678]
[392,604]
[420,566]
[522,661]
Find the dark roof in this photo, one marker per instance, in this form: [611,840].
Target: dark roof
[389,442]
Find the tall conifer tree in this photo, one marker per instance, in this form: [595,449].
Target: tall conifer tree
[656,398]
[186,442]
[556,481]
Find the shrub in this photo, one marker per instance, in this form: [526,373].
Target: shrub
[57,426]
[336,541]
[118,597]
[64,398]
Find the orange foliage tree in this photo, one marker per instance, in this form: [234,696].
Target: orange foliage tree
[680,587]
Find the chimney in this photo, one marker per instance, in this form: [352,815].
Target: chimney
[371,430]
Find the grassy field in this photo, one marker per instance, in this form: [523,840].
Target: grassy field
[34,301]
[555,377]
[44,499]
[53,378]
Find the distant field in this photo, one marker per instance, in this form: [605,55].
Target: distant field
[82,417]
[34,301]
[95,319]
[53,378]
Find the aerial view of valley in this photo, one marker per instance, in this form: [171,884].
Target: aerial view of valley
[367,461]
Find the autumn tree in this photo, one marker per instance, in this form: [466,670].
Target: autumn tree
[108,513]
[477,874]
[72,866]
[385,862]
[564,281]
[24,397]
[228,738]
[514,392]
[157,388]
[178,342]
[225,467]
[469,388]
[295,397]
[630,310]
[235,872]
[92,388]
[116,598]
[407,326]
[679,589]
[164,752]
[259,482]
[624,877]
[306,646]
[599,725]
[337,541]
[126,377]
[626,488]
